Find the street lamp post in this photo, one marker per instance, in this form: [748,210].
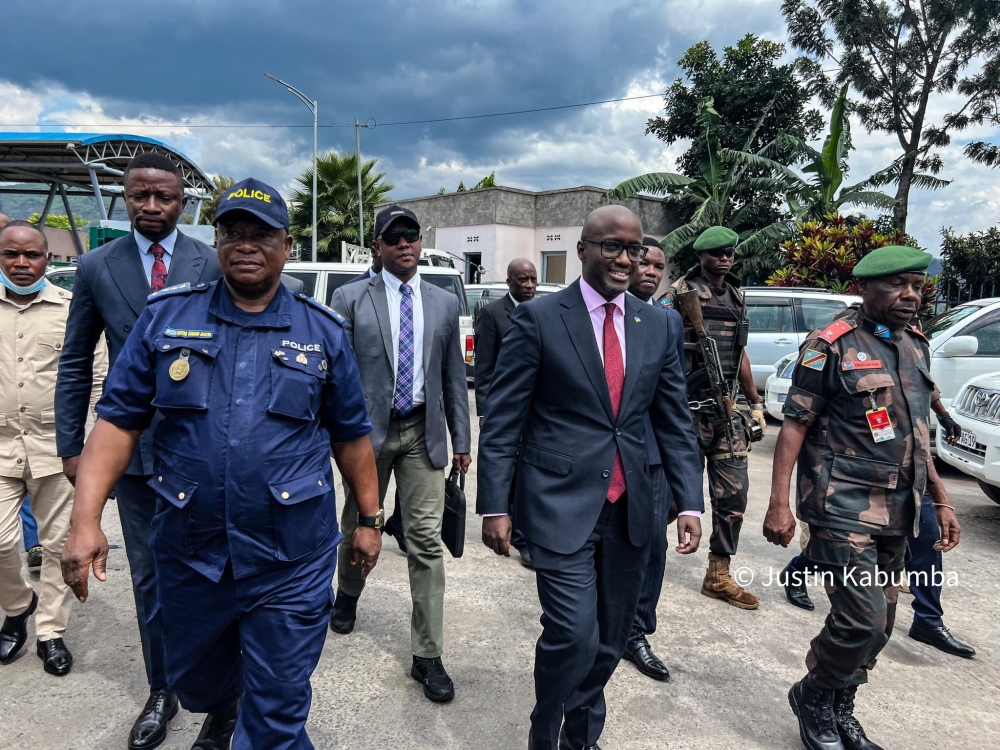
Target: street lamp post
[314,108]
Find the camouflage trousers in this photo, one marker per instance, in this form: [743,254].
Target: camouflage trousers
[861,573]
[728,479]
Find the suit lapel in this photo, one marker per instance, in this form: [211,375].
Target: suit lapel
[576,318]
[635,344]
[508,306]
[376,290]
[186,264]
[125,268]
[430,321]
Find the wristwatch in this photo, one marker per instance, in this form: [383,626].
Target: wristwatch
[375,522]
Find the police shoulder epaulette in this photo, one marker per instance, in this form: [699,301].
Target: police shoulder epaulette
[313,302]
[172,291]
[918,334]
[837,329]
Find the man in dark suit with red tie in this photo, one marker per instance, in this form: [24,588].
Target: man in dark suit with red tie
[576,377]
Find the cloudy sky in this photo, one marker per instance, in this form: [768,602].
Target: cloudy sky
[129,66]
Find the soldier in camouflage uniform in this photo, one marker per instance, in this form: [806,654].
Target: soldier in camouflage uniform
[858,426]
[724,320]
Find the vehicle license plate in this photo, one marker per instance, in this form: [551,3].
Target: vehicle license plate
[968,440]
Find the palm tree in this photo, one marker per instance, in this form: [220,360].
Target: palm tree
[337,202]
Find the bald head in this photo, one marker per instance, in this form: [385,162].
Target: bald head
[522,279]
[605,229]
[599,219]
[4,220]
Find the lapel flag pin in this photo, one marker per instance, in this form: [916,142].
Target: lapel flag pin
[637,320]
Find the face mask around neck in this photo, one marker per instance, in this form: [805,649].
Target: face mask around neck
[36,287]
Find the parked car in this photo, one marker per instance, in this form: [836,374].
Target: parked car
[321,280]
[976,408]
[477,294]
[964,342]
[780,320]
[63,276]
[777,385]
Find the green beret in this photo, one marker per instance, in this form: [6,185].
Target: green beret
[892,259]
[715,237]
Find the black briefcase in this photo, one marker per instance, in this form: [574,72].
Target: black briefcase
[453,528]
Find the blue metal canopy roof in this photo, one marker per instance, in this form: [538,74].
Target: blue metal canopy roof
[83,159]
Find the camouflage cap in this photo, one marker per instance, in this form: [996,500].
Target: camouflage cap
[892,259]
[715,237]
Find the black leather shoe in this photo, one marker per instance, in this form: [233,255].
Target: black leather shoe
[852,734]
[817,723]
[35,557]
[564,743]
[639,653]
[345,613]
[14,633]
[150,729]
[942,639]
[526,560]
[430,673]
[55,656]
[217,731]
[390,528]
[795,589]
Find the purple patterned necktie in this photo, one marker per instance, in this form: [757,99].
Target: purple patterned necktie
[402,400]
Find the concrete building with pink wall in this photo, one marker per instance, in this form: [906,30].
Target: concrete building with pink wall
[493,226]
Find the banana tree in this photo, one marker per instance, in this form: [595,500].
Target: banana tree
[711,194]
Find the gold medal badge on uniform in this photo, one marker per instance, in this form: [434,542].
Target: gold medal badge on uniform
[180,368]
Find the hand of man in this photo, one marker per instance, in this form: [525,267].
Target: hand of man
[779,524]
[952,431]
[688,534]
[757,414]
[461,462]
[85,546]
[70,466]
[950,530]
[496,534]
[366,544]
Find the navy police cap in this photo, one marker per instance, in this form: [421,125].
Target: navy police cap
[257,198]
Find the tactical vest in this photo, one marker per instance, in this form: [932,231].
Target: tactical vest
[722,324]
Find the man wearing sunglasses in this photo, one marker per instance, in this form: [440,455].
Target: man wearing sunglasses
[406,337]
[724,320]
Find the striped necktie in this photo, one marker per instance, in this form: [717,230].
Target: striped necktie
[402,400]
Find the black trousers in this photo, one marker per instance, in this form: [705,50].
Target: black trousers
[652,578]
[136,505]
[588,602]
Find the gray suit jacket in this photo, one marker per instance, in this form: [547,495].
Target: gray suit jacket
[109,293]
[365,306]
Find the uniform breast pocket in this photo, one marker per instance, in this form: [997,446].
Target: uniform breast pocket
[861,383]
[184,371]
[49,348]
[297,380]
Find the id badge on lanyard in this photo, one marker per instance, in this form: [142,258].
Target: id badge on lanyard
[879,422]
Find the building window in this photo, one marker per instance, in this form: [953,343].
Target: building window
[473,268]
[554,268]
[553,237]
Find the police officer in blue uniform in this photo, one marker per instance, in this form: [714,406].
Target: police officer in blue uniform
[255,384]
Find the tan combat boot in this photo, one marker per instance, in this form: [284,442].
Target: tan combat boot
[719,585]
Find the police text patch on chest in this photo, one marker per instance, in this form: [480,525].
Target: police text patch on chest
[302,347]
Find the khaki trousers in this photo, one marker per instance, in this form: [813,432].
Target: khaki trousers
[421,495]
[51,505]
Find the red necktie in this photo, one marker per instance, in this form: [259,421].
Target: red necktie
[158,278]
[614,371]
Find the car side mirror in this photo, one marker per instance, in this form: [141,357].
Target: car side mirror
[959,346]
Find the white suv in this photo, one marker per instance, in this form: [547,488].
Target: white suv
[976,408]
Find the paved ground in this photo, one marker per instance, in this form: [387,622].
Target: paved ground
[730,669]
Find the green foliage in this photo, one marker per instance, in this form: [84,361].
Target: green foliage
[441,191]
[210,205]
[824,254]
[337,203]
[971,260]
[461,187]
[898,54]
[486,182]
[58,221]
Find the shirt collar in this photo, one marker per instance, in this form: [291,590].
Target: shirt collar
[393,283]
[167,243]
[371,273]
[49,293]
[593,299]
[516,303]
[277,314]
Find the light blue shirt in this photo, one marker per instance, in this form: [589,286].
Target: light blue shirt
[394,297]
[147,258]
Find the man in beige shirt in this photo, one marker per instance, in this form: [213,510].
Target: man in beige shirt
[32,325]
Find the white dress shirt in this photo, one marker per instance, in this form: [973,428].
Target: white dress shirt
[516,303]
[394,297]
[147,258]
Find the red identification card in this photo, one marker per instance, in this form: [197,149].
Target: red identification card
[880,425]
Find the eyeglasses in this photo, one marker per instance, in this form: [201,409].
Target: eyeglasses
[722,252]
[392,238]
[613,249]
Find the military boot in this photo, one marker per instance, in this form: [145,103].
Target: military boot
[848,727]
[719,585]
[817,722]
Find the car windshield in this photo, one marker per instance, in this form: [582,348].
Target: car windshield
[946,320]
[451,283]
